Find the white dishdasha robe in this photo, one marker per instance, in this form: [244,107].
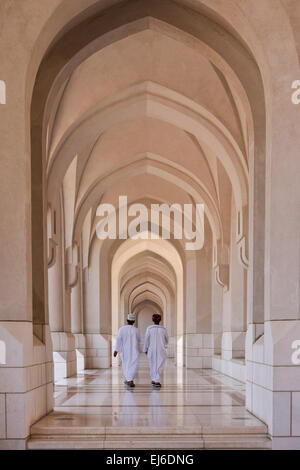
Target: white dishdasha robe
[156,342]
[128,343]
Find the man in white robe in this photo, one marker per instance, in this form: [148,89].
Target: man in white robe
[155,346]
[128,343]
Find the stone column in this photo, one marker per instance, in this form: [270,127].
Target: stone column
[217,316]
[77,321]
[26,375]
[64,354]
[234,333]
[95,347]
[199,337]
[273,369]
[55,292]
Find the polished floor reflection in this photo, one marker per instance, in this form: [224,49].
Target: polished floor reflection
[195,408]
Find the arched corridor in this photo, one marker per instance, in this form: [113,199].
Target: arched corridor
[157,171]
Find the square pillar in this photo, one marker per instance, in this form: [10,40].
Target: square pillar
[93,351]
[198,350]
[273,380]
[26,381]
[233,345]
[64,355]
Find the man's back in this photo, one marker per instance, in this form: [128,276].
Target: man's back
[156,338]
[128,337]
[128,343]
[156,342]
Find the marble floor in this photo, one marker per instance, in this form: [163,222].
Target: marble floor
[195,408]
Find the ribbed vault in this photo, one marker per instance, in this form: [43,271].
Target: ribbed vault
[151,106]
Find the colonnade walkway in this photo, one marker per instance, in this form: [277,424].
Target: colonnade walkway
[194,409]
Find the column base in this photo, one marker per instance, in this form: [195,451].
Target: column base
[273,380]
[13,444]
[234,368]
[233,345]
[80,346]
[198,350]
[26,381]
[286,443]
[64,355]
[93,351]
[217,343]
